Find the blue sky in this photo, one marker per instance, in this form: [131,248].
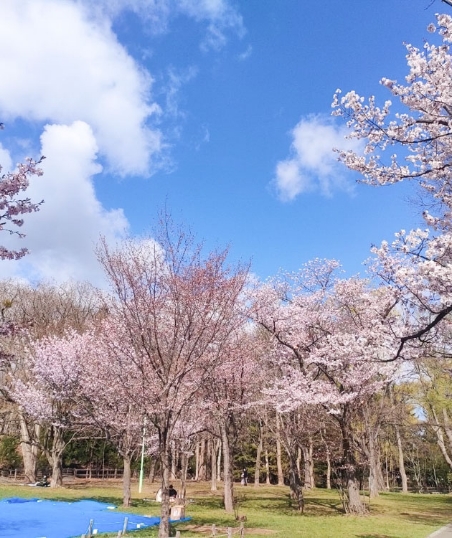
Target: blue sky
[218,109]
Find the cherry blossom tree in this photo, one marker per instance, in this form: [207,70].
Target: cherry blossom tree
[178,309]
[412,143]
[52,393]
[13,205]
[328,338]
[228,392]
[27,315]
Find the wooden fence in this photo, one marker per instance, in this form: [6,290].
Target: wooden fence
[104,474]
[230,531]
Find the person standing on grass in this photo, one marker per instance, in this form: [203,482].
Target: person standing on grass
[244,477]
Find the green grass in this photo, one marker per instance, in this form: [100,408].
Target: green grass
[269,512]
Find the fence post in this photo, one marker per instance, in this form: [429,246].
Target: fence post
[242,529]
[90,528]
[214,530]
[229,532]
[178,534]
[124,527]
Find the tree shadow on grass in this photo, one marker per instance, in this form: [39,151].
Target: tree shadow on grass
[374,536]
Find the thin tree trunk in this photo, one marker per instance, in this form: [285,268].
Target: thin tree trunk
[279,452]
[197,465]
[267,468]
[308,465]
[328,470]
[213,464]
[257,467]
[402,470]
[174,458]
[440,439]
[219,452]
[152,471]
[295,482]
[202,460]
[183,475]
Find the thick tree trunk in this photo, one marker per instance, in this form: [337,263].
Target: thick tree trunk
[257,468]
[126,482]
[376,480]
[402,470]
[279,452]
[228,477]
[55,457]
[165,508]
[29,450]
[353,503]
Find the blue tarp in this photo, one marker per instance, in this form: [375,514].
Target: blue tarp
[37,518]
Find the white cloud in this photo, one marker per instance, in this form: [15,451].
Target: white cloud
[219,15]
[61,237]
[60,65]
[63,65]
[313,164]
[5,160]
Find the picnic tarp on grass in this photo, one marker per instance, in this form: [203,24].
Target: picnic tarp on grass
[39,518]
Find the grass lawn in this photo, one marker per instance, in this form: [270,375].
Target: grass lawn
[268,511]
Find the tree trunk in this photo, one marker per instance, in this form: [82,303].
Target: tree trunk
[257,468]
[55,456]
[353,503]
[174,458]
[328,470]
[219,456]
[402,470]
[295,483]
[213,464]
[152,471]
[376,480]
[29,450]
[308,465]
[440,439]
[197,464]
[279,452]
[183,475]
[165,508]
[126,482]
[267,468]
[202,460]
[228,478]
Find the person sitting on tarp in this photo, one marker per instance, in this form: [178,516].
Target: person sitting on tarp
[172,493]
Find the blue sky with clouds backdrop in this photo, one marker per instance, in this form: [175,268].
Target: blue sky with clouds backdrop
[217,109]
